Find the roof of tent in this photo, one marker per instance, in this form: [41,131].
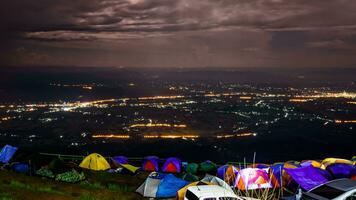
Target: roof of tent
[216,181]
[120,159]
[307,177]
[253,178]
[161,185]
[95,161]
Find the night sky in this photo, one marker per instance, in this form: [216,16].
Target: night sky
[178,33]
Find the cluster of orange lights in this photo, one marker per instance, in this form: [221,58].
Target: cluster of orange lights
[87,87]
[300,100]
[236,135]
[171,136]
[161,97]
[111,136]
[344,121]
[158,125]
[5,118]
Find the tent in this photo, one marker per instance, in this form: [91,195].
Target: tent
[227,173]
[129,169]
[192,168]
[120,160]
[207,167]
[216,181]
[159,185]
[259,166]
[313,163]
[150,163]
[172,165]
[7,152]
[276,171]
[307,177]
[58,166]
[181,193]
[95,161]
[328,161]
[341,170]
[190,177]
[22,168]
[253,178]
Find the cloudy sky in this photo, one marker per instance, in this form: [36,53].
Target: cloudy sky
[178,33]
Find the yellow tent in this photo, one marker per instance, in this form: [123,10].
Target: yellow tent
[181,192]
[95,161]
[130,168]
[328,161]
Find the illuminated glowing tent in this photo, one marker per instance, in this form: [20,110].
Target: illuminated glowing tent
[192,168]
[150,163]
[172,165]
[307,177]
[252,178]
[7,152]
[328,161]
[95,161]
[181,193]
[216,181]
[159,185]
[341,170]
[313,163]
[117,160]
[227,173]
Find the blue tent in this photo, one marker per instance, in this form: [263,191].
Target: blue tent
[307,177]
[159,185]
[169,186]
[21,168]
[341,170]
[6,153]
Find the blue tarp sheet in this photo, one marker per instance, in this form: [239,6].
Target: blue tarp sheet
[6,153]
[169,186]
[307,177]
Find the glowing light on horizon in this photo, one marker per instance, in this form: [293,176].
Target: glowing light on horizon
[158,125]
[248,134]
[111,136]
[300,100]
[161,97]
[172,136]
[347,95]
[345,121]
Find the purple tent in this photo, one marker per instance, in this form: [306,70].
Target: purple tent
[120,159]
[307,177]
[341,170]
[150,163]
[172,165]
[221,171]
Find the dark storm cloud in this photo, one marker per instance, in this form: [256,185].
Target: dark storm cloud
[163,32]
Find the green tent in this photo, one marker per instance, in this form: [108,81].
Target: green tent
[207,167]
[58,166]
[190,177]
[192,168]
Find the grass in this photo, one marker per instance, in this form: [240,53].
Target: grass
[101,186]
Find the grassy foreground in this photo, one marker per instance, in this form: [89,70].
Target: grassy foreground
[98,185]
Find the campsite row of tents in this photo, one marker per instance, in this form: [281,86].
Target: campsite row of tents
[174,175]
